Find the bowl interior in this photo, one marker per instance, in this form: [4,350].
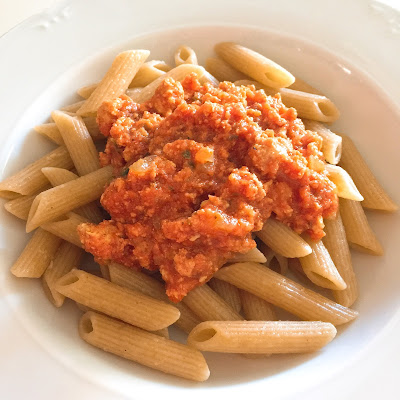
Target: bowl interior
[367,115]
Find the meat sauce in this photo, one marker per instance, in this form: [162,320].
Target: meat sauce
[198,170]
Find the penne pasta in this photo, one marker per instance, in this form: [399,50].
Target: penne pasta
[343,182]
[285,293]
[148,72]
[282,264]
[51,131]
[258,337]
[177,73]
[74,107]
[66,227]
[320,269]
[256,309]
[143,347]
[135,280]
[67,257]
[227,292]
[21,205]
[36,255]
[374,195]
[208,306]
[254,255]
[185,55]
[86,91]
[59,176]
[162,332]
[78,142]
[254,64]
[358,231]
[336,243]
[307,105]
[223,71]
[303,86]
[30,179]
[55,202]
[116,301]
[115,81]
[296,269]
[282,240]
[331,143]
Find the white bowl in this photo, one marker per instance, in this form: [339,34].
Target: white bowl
[70,47]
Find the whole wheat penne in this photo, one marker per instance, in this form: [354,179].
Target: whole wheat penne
[66,227]
[115,81]
[67,257]
[296,269]
[59,176]
[51,131]
[148,72]
[343,182]
[310,106]
[281,263]
[87,90]
[268,253]
[127,305]
[74,107]
[358,231]
[143,347]
[177,73]
[282,240]
[162,332]
[223,71]
[133,93]
[57,201]
[149,286]
[227,292]
[208,78]
[253,64]
[285,293]
[105,272]
[319,267]
[208,306]
[254,255]
[273,337]
[36,255]
[331,143]
[307,105]
[303,86]
[335,242]
[256,309]
[185,55]
[78,142]
[30,179]
[21,205]
[374,195]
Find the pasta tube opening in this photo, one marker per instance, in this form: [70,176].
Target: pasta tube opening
[204,335]
[86,324]
[68,279]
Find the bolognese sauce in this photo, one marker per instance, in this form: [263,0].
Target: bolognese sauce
[198,169]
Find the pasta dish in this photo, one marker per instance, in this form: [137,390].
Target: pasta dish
[224,198]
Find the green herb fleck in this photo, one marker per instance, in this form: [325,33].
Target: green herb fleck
[187,154]
[233,137]
[125,172]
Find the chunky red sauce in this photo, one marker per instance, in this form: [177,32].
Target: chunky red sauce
[207,167]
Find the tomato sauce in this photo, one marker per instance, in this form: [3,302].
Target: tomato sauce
[198,170]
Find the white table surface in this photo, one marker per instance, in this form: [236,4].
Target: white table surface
[378,382]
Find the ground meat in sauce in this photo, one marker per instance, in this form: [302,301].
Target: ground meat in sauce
[199,168]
